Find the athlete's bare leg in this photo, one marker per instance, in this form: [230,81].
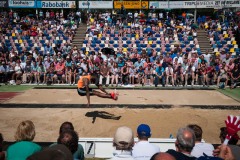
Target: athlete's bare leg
[102,89]
[100,94]
[112,95]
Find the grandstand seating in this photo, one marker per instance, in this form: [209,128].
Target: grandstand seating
[17,41]
[158,42]
[223,40]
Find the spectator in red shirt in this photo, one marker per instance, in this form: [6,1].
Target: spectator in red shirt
[52,14]
[60,75]
[210,74]
[201,75]
[168,59]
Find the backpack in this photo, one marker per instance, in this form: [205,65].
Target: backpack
[222,85]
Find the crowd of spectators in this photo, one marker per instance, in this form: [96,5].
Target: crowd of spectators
[27,42]
[144,50]
[164,49]
[189,145]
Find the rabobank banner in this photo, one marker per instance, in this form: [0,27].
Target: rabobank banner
[96,4]
[56,4]
[21,4]
[3,4]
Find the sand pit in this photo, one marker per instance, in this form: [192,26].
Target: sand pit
[162,121]
[172,97]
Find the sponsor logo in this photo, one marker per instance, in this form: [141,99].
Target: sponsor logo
[21,3]
[55,5]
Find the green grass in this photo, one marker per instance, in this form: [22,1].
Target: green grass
[14,88]
[233,93]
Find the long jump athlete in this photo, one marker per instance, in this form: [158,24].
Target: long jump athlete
[85,90]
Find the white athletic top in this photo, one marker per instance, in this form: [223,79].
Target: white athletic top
[122,155]
[201,148]
[143,150]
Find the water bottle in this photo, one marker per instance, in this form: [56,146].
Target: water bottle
[171,136]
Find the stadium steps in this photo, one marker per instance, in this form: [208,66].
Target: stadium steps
[80,35]
[203,41]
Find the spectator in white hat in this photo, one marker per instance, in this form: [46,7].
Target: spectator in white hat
[123,142]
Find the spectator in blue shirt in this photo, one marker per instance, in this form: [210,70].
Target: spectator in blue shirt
[138,63]
[159,74]
[121,62]
[203,19]
[48,49]
[173,55]
[199,20]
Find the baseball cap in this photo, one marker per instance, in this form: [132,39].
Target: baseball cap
[123,137]
[144,130]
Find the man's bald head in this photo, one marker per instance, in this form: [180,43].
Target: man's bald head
[185,140]
[162,156]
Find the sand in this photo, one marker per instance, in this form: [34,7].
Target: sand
[162,121]
[173,97]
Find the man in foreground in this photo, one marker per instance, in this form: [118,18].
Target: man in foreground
[184,144]
[143,150]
